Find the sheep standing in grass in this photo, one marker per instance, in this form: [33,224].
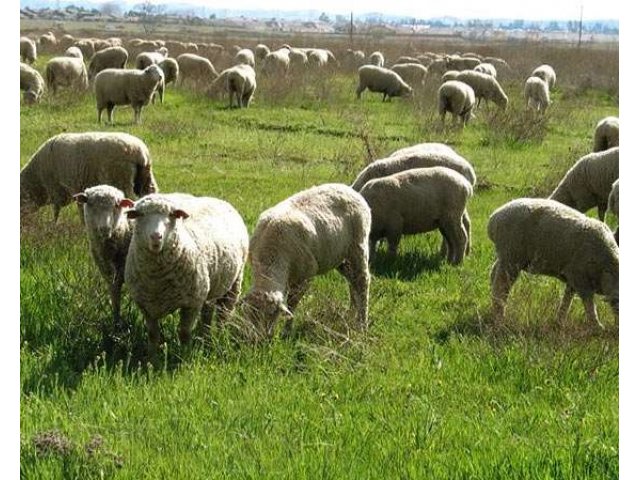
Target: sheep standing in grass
[310,233]
[240,82]
[354,59]
[66,72]
[47,42]
[458,98]
[186,253]
[246,57]
[276,62]
[546,73]
[144,59]
[112,57]
[86,46]
[536,94]
[109,234]
[545,237]
[455,62]
[32,83]
[588,183]
[376,59]
[28,51]
[487,69]
[414,74]
[606,134]
[484,86]
[417,201]
[73,52]
[195,69]
[126,87]
[613,206]
[382,80]
[261,51]
[68,163]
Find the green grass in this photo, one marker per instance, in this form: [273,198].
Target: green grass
[437,389]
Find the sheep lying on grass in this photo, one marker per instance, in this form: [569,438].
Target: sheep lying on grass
[545,237]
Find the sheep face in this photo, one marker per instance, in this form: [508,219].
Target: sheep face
[262,309]
[103,209]
[609,288]
[155,72]
[156,229]
[30,97]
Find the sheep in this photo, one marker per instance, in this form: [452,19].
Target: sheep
[407,59]
[542,236]
[420,200]
[484,86]
[422,155]
[276,62]
[73,52]
[196,69]
[126,87]
[613,206]
[308,234]
[486,68]
[66,41]
[186,253]
[112,57]
[85,45]
[298,60]
[67,72]
[438,67]
[68,163]
[449,75]
[376,59]
[240,82]
[144,59]
[32,83]
[536,94]
[382,80]
[606,134]
[546,73]
[587,184]
[47,42]
[354,59]
[109,232]
[245,56]
[458,98]
[497,62]
[28,51]
[321,58]
[261,51]
[414,74]
[455,62]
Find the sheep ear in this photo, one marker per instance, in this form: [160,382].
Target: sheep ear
[131,214]
[177,213]
[285,311]
[125,203]
[80,198]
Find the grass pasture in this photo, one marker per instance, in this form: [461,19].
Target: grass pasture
[436,389]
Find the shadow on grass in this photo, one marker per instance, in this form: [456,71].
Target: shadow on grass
[406,265]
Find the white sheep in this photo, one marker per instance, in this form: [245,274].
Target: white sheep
[546,73]
[545,237]
[32,83]
[588,182]
[321,58]
[68,163]
[449,75]
[86,46]
[111,57]
[407,59]
[66,41]
[382,80]
[276,62]
[28,51]
[261,51]
[455,62]
[606,134]
[144,59]
[310,233]
[195,69]
[186,253]
[536,94]
[422,155]
[126,87]
[66,72]
[240,82]
[73,52]
[420,200]
[246,57]
[298,60]
[484,86]
[376,59]
[613,206]
[354,59]
[109,232]
[486,68]
[415,74]
[47,42]
[458,98]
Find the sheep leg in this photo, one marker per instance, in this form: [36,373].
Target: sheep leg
[602,209]
[56,212]
[136,115]
[224,306]
[372,248]
[359,91]
[100,115]
[296,292]
[110,109]
[116,297]
[155,335]
[206,315]
[565,304]
[590,309]
[187,319]
[466,222]
[456,236]
[356,270]
[501,282]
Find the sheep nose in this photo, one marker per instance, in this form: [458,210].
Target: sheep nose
[155,236]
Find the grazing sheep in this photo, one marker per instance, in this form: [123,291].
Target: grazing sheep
[109,234]
[587,184]
[545,237]
[420,200]
[66,72]
[449,75]
[607,134]
[276,62]
[73,52]
[497,62]
[246,57]
[321,58]
[415,74]
[32,83]
[422,155]
[376,59]
[66,41]
[354,59]
[308,234]
[68,163]
[85,45]
[546,73]
[407,59]
[455,62]
[126,87]
[196,69]
[484,86]
[111,57]
[47,42]
[186,253]
[613,206]
[438,67]
[536,94]
[144,59]
[382,80]
[298,60]
[458,98]
[486,68]
[28,53]
[240,82]
[261,51]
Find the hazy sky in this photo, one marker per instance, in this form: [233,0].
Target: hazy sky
[526,9]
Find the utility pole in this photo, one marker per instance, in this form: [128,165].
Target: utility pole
[351,30]
[580,25]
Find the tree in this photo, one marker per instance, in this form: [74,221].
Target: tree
[111,8]
[324,18]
